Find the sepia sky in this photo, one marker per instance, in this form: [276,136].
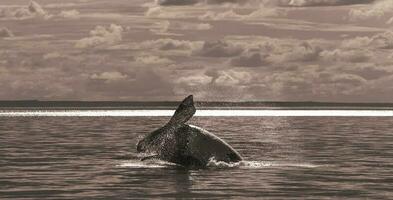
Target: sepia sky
[232,50]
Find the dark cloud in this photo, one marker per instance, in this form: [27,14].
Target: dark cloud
[250,60]
[218,49]
[249,50]
[304,52]
[32,10]
[378,10]
[173,45]
[167,44]
[213,73]
[5,32]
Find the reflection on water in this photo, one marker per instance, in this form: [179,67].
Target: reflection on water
[286,157]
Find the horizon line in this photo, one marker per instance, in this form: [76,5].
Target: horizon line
[203,101]
[202,113]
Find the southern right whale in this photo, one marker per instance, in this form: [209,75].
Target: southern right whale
[184,144]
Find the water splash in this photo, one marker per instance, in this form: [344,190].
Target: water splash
[213,164]
[153,163]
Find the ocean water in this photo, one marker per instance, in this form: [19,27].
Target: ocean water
[88,157]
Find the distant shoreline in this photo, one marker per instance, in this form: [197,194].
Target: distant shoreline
[173,104]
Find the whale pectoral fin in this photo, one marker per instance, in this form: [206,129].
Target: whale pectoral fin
[150,157]
[184,112]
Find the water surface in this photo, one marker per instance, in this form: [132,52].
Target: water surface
[286,158]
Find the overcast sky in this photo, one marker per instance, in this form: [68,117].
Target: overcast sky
[237,50]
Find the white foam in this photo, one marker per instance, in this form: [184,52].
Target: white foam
[256,164]
[213,164]
[146,164]
[201,113]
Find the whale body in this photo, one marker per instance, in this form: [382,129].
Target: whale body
[184,144]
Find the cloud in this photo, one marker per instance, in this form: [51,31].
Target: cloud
[5,32]
[24,81]
[31,11]
[190,26]
[274,51]
[167,27]
[250,60]
[152,60]
[35,10]
[347,79]
[60,5]
[261,12]
[295,3]
[69,14]
[278,53]
[382,40]
[192,2]
[339,86]
[167,44]
[160,12]
[142,84]
[369,71]
[52,55]
[377,10]
[176,2]
[232,77]
[214,84]
[194,80]
[378,91]
[101,36]
[353,56]
[390,21]
[337,70]
[300,3]
[304,52]
[309,82]
[218,49]
[237,67]
[289,85]
[258,11]
[161,28]
[109,76]
[355,43]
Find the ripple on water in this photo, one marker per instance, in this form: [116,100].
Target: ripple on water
[285,158]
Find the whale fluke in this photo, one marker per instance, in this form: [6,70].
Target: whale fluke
[184,144]
[184,112]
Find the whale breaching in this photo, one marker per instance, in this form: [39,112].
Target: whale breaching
[186,145]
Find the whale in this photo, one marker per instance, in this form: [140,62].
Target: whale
[186,145]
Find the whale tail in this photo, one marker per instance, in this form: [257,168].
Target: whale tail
[184,112]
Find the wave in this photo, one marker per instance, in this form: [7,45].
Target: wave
[152,163]
[255,164]
[213,164]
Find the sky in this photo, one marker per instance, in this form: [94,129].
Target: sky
[218,50]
